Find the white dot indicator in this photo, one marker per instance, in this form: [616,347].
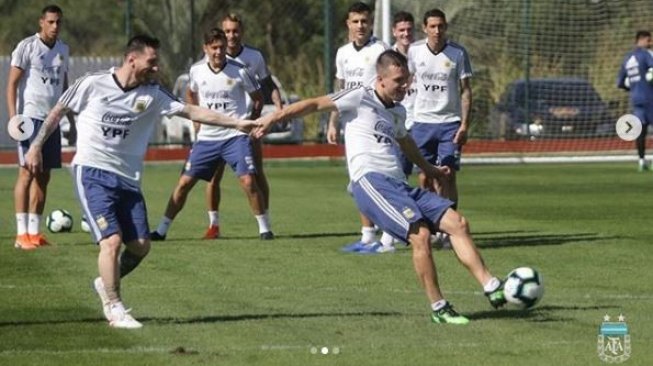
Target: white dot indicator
[324,350]
[628,127]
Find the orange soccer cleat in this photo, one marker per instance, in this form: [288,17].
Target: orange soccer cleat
[213,232]
[39,240]
[23,242]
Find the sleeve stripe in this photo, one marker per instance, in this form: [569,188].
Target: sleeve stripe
[337,95]
[68,94]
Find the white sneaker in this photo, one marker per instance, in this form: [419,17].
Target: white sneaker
[120,318]
[441,241]
[104,298]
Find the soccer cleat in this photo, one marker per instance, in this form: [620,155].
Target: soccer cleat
[448,315]
[441,241]
[213,232]
[497,298]
[643,166]
[23,242]
[155,236]
[355,247]
[39,240]
[376,248]
[98,285]
[120,318]
[268,235]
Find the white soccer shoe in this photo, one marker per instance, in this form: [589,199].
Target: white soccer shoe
[441,241]
[104,298]
[120,318]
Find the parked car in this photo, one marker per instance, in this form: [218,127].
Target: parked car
[177,129]
[557,108]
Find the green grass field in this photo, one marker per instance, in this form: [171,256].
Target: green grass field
[241,301]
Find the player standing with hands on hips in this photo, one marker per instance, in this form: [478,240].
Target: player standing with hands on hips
[117,112]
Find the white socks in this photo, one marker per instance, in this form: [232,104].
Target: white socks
[387,239]
[164,225]
[21,223]
[213,218]
[33,223]
[438,305]
[263,223]
[491,285]
[368,234]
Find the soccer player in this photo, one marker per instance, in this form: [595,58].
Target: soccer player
[403,30]
[117,111]
[379,186]
[37,77]
[443,103]
[254,61]
[632,77]
[355,66]
[222,85]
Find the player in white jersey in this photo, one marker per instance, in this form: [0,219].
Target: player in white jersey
[403,30]
[37,77]
[253,59]
[222,85]
[443,102]
[379,186]
[117,112]
[356,66]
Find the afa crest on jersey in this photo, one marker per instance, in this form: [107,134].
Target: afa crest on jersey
[141,103]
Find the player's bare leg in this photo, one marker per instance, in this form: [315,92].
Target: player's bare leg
[255,198]
[213,196]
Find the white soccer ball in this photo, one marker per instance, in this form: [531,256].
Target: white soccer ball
[85,226]
[59,221]
[523,287]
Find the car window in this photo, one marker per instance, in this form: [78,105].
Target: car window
[556,92]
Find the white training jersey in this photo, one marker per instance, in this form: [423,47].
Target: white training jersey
[437,79]
[357,66]
[254,61]
[370,135]
[409,99]
[224,91]
[45,70]
[114,124]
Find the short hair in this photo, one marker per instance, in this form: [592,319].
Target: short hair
[359,7]
[214,35]
[642,34]
[434,13]
[139,43]
[402,16]
[389,58]
[51,9]
[233,17]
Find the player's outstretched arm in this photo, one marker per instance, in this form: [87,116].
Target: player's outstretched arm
[298,109]
[33,157]
[209,117]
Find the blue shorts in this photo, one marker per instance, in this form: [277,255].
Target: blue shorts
[51,151]
[205,156]
[644,113]
[435,142]
[113,204]
[394,206]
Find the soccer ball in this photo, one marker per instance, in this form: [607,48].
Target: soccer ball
[85,226]
[59,221]
[523,287]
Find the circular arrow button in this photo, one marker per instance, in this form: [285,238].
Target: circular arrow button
[20,127]
[628,127]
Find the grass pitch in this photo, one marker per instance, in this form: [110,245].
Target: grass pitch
[298,301]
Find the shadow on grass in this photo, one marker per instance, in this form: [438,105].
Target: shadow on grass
[206,319]
[286,236]
[493,240]
[539,314]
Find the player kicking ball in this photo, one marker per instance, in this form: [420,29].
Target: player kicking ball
[379,184]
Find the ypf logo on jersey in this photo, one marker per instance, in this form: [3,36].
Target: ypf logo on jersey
[613,344]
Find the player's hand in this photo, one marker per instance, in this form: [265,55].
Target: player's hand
[461,137]
[34,160]
[247,125]
[438,172]
[332,135]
